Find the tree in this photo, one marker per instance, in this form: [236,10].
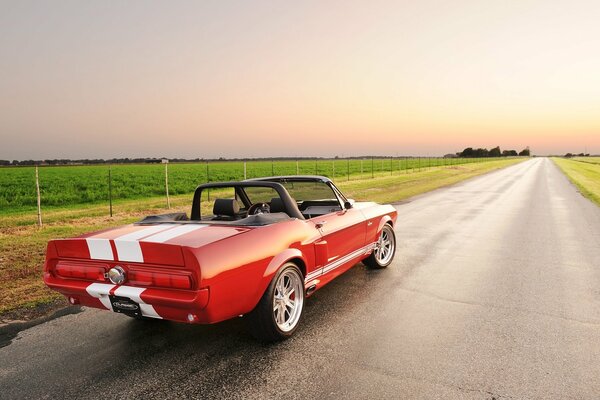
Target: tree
[525,152]
[468,152]
[495,152]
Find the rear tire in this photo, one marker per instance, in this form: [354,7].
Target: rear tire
[384,251]
[278,313]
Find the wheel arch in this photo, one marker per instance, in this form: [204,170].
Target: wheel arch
[386,219]
[292,255]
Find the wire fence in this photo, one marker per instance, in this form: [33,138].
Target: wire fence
[23,189]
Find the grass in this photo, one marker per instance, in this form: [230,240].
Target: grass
[591,160]
[584,173]
[23,246]
[64,187]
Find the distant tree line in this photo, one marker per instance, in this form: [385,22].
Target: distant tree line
[569,155]
[470,152]
[153,160]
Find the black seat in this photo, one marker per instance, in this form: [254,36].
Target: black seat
[226,209]
[277,205]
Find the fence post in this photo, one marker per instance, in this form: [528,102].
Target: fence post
[207,181]
[39,197]
[297,168]
[348,168]
[333,168]
[272,167]
[110,190]
[372,168]
[167,184]
[316,167]
[391,166]
[245,171]
[361,168]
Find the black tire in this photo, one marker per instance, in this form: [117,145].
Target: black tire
[375,261]
[261,321]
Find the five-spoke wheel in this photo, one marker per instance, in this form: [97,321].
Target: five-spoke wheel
[278,312]
[384,250]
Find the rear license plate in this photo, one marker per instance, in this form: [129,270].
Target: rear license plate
[125,306]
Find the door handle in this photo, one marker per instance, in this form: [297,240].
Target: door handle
[319,225]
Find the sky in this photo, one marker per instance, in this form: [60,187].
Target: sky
[104,79]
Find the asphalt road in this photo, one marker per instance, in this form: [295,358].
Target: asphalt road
[494,294]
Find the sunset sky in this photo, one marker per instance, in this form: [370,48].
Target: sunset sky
[85,79]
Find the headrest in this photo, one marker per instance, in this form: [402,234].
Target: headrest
[228,207]
[277,205]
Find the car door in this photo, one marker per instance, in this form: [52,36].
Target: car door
[344,233]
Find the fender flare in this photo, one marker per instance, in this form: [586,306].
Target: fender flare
[384,220]
[274,266]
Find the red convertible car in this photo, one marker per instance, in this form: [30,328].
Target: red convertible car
[256,248]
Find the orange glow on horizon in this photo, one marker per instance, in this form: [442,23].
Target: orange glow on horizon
[268,79]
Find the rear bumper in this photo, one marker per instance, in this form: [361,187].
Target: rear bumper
[170,304]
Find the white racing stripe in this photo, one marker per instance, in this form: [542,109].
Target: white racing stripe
[134,294]
[128,247]
[99,249]
[101,291]
[172,233]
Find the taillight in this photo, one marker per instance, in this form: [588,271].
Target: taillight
[79,271]
[160,279]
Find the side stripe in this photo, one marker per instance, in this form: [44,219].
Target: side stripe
[339,262]
[100,249]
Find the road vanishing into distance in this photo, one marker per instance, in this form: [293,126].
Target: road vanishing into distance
[494,294]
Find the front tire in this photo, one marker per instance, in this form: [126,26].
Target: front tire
[278,313]
[385,249]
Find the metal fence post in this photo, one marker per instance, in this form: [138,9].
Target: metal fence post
[39,197]
[207,181]
[245,176]
[110,190]
[167,184]
[297,168]
[348,168]
[372,168]
[333,168]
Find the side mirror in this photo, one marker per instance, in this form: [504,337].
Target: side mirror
[347,205]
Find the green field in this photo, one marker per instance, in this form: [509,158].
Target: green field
[591,160]
[68,186]
[23,245]
[584,173]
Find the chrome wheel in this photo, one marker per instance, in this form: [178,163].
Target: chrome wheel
[385,246]
[288,300]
